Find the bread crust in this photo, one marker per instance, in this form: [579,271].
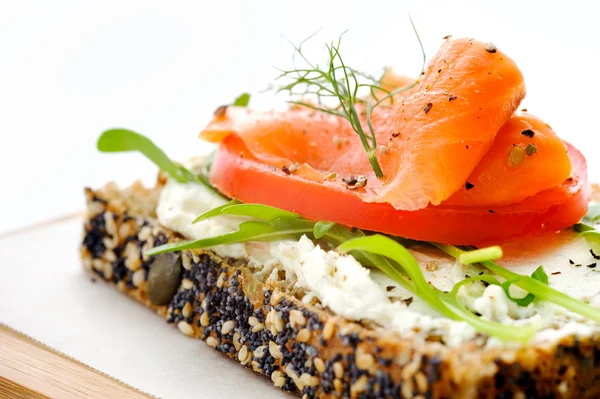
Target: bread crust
[303,348]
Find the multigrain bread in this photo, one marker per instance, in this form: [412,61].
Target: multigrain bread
[304,348]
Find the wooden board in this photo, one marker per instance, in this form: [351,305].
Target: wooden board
[29,369]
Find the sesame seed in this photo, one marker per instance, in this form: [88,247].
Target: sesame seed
[259,352]
[187,310]
[277,321]
[212,341]
[185,328]
[309,380]
[329,328]
[145,233]
[338,370]
[303,335]
[236,340]
[108,270]
[227,327]
[360,385]
[243,354]
[204,319]
[279,382]
[319,364]
[187,284]
[337,385]
[297,318]
[407,388]
[220,280]
[108,243]
[421,381]
[364,361]
[138,277]
[275,375]
[258,327]
[185,261]
[274,350]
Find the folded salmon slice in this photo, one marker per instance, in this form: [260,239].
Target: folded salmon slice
[526,158]
[434,137]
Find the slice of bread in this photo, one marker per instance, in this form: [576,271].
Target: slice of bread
[306,349]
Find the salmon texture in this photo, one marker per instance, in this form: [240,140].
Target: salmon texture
[450,139]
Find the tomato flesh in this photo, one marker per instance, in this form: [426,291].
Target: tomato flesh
[237,174]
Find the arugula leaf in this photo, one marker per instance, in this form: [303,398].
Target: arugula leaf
[242,100]
[258,211]
[337,234]
[447,304]
[321,228]
[539,274]
[538,288]
[124,140]
[277,229]
[215,211]
[479,255]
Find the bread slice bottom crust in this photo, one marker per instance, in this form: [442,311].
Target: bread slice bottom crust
[303,348]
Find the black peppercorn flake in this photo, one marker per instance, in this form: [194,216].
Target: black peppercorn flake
[469,186]
[427,107]
[528,133]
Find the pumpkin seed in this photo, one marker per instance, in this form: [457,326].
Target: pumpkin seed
[164,278]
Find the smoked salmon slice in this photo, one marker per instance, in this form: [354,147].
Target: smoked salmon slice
[430,142]
[527,157]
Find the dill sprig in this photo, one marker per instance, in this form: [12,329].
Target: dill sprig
[344,84]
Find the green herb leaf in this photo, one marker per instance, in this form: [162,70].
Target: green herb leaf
[343,84]
[215,211]
[277,229]
[243,100]
[123,140]
[258,211]
[533,286]
[480,255]
[446,304]
[337,234]
[539,274]
[385,246]
[321,228]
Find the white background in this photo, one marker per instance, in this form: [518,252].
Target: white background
[70,69]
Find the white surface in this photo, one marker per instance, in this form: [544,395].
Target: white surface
[46,294]
[72,68]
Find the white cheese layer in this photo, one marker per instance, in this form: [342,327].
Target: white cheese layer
[355,292]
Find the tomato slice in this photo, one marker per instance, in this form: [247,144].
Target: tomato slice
[237,174]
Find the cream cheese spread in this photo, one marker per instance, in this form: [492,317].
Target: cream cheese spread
[350,290]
